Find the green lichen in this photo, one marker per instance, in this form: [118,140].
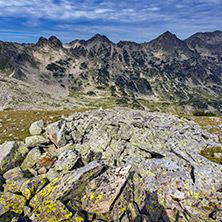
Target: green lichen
[213,153]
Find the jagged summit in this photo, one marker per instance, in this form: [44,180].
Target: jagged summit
[53,41]
[99,38]
[167,38]
[169,43]
[206,42]
[42,41]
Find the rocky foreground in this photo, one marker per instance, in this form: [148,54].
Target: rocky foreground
[111,166]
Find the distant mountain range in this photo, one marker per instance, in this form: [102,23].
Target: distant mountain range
[164,74]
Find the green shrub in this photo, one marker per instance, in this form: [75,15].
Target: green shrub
[202,113]
[113,91]
[213,153]
[91,93]
[123,100]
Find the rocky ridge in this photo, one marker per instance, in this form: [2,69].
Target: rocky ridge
[51,75]
[110,165]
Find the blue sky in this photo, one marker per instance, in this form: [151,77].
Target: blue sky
[139,21]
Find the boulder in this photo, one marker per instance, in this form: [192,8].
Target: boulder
[36,127]
[66,161]
[56,132]
[10,205]
[31,159]
[33,141]
[55,211]
[33,186]
[103,190]
[14,179]
[66,186]
[12,154]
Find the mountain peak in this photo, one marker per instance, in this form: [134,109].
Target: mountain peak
[42,41]
[100,38]
[205,38]
[54,41]
[169,43]
[167,35]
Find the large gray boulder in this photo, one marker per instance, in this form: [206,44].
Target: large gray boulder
[36,140]
[56,132]
[65,187]
[12,154]
[36,127]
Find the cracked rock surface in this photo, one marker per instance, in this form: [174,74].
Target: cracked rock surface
[110,165]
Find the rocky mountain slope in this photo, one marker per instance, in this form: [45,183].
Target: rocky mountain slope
[111,166]
[166,71]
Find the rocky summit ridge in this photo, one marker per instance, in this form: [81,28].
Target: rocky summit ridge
[183,75]
[109,165]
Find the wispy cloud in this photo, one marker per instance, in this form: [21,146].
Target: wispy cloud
[135,20]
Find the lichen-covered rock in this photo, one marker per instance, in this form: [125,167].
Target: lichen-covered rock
[103,190]
[11,155]
[56,132]
[33,141]
[31,159]
[52,174]
[33,186]
[55,211]
[14,179]
[36,127]
[69,146]
[66,161]
[66,186]
[11,204]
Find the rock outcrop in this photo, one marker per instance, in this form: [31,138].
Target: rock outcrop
[112,166]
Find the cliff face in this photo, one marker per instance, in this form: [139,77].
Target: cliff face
[112,166]
[186,73]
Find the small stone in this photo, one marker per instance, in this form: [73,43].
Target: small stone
[42,170]
[27,211]
[14,180]
[46,161]
[33,172]
[15,174]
